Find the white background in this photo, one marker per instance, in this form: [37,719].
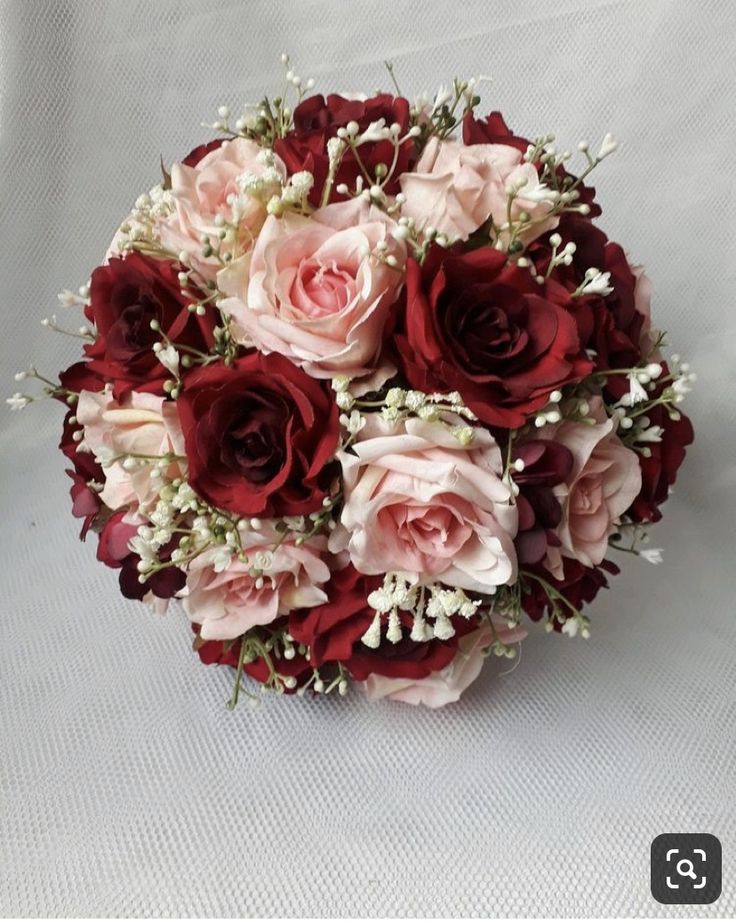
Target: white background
[125,785]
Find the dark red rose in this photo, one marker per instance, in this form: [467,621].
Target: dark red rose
[333,632]
[316,120]
[476,325]
[546,464]
[78,377]
[260,436]
[579,585]
[491,130]
[125,296]
[193,157]
[221,653]
[611,326]
[86,503]
[494,130]
[333,629]
[408,659]
[113,551]
[227,653]
[260,670]
[659,471]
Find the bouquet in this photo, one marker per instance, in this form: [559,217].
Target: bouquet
[366,387]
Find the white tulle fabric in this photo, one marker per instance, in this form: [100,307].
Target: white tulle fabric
[126,788]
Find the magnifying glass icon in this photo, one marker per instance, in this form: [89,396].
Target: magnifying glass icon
[685,868]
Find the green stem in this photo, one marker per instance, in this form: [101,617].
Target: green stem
[233,700]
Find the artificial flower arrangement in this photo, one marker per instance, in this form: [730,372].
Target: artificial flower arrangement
[367,388]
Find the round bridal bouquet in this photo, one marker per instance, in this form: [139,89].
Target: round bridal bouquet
[368,389]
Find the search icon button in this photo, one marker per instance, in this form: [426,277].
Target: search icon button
[686,868]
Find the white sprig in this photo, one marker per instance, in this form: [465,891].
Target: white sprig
[18,401]
[168,356]
[402,593]
[652,555]
[595,283]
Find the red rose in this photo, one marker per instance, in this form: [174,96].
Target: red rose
[193,157]
[408,659]
[491,130]
[86,503]
[333,632]
[227,653]
[316,120]
[334,628]
[125,296]
[658,472]
[78,377]
[611,325]
[546,464]
[113,550]
[476,325]
[259,436]
[579,585]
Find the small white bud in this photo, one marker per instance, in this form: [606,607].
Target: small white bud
[608,146]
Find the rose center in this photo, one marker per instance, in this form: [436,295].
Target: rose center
[588,495]
[131,332]
[254,446]
[431,534]
[484,329]
[321,289]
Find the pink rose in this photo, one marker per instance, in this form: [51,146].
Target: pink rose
[456,189]
[643,305]
[314,291]
[142,425]
[604,481]
[419,501]
[209,192]
[226,599]
[445,685]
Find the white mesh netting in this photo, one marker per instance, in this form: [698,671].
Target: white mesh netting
[126,788]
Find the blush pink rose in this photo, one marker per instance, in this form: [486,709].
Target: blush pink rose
[456,189]
[643,305]
[445,685]
[314,291]
[210,190]
[604,481]
[139,425]
[419,501]
[226,599]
